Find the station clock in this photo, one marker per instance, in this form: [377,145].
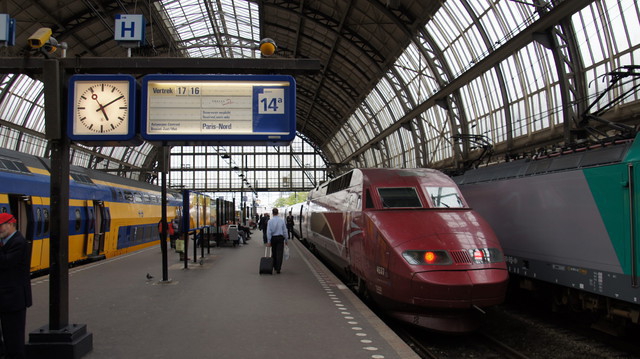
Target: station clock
[101,108]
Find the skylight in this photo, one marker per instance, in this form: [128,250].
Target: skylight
[214,29]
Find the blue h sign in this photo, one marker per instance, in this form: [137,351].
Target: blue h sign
[129,28]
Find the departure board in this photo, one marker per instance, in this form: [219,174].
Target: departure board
[221,109]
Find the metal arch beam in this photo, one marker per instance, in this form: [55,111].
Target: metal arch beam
[365,48]
[325,22]
[301,20]
[352,133]
[402,92]
[332,51]
[319,152]
[327,113]
[463,123]
[408,27]
[570,69]
[212,20]
[552,18]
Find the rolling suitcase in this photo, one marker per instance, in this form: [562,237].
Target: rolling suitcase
[266,262]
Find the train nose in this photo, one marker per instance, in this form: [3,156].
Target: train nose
[459,289]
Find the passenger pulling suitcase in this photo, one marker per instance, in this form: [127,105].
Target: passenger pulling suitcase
[266,262]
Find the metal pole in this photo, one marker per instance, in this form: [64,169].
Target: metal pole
[163,219]
[59,185]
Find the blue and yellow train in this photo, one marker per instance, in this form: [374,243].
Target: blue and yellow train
[108,215]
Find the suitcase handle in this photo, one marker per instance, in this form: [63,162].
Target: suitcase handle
[265,251]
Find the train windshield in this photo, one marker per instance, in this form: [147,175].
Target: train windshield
[402,197]
[445,197]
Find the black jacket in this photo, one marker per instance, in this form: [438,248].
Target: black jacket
[15,283]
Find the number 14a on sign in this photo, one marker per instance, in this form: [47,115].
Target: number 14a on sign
[271,101]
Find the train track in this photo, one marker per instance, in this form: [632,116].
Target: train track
[509,332]
[476,345]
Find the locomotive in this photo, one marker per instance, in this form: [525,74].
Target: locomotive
[407,239]
[108,215]
[568,223]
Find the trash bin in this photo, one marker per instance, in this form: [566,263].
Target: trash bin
[233,234]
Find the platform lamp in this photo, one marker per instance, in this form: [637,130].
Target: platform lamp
[267,47]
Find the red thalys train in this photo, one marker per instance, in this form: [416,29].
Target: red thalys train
[407,239]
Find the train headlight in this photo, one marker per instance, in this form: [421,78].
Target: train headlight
[427,257]
[486,255]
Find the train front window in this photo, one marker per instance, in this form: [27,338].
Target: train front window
[445,197]
[400,197]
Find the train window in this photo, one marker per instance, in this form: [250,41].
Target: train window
[13,165]
[38,221]
[368,200]
[78,225]
[81,178]
[445,197]
[128,196]
[339,183]
[146,198]
[137,197]
[45,214]
[399,197]
[139,236]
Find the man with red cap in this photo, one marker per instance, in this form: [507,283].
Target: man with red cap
[15,286]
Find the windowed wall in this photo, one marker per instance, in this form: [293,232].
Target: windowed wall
[293,168]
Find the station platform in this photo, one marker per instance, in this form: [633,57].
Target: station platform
[222,308]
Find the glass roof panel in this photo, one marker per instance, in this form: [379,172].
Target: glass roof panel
[225,28]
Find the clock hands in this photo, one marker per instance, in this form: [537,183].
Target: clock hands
[101,108]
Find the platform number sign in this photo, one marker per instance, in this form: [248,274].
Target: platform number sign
[271,102]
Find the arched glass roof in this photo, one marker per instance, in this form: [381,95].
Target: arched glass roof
[402,84]
[516,98]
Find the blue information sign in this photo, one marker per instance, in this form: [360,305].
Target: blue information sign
[220,109]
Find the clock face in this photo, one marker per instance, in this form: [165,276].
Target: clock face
[101,107]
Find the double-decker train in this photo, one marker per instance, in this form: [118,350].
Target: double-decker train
[108,215]
[407,239]
[569,224]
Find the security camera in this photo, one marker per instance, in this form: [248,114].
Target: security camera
[40,38]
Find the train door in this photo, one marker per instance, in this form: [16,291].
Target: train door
[89,232]
[21,208]
[353,228]
[100,225]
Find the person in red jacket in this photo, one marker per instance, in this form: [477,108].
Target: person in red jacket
[170,231]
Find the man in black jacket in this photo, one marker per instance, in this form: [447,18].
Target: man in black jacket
[263,227]
[15,286]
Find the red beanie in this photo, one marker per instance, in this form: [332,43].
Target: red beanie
[7,218]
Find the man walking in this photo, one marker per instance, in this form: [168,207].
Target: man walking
[276,231]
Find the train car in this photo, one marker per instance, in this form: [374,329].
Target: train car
[407,239]
[568,224]
[108,215]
